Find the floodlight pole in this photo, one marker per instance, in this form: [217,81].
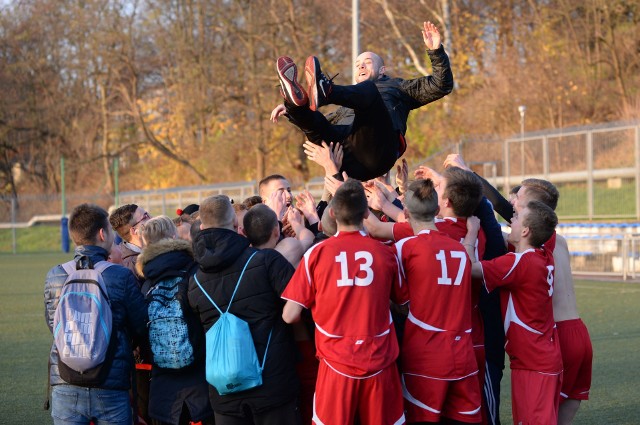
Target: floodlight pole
[355,36]
[116,185]
[522,109]
[64,221]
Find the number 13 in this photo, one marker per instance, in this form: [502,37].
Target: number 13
[365,267]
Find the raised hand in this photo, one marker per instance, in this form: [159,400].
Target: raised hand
[402,176]
[332,184]
[424,172]
[473,224]
[455,160]
[375,196]
[277,112]
[431,36]
[307,206]
[322,155]
[277,201]
[338,154]
[389,194]
[295,220]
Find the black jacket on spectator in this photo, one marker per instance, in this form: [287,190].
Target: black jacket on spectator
[221,254]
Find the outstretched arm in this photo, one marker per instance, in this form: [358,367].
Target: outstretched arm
[469,242]
[500,204]
[430,88]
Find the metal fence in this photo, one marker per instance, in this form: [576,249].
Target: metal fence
[167,201]
[604,252]
[596,168]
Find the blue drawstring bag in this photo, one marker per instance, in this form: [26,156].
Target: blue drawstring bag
[231,359]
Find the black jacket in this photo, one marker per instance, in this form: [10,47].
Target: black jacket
[401,96]
[221,254]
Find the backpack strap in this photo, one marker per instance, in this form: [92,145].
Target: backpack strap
[100,266]
[69,266]
[239,279]
[264,358]
[195,278]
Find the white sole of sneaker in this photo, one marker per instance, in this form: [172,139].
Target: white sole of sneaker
[288,75]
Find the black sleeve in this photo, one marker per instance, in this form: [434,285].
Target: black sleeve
[320,207]
[279,270]
[500,204]
[494,246]
[430,88]
[313,228]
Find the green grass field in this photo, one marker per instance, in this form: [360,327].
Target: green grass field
[610,310]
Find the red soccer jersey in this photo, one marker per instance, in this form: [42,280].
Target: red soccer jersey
[526,280]
[402,230]
[347,281]
[456,228]
[437,338]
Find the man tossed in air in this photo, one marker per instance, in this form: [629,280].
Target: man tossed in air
[372,120]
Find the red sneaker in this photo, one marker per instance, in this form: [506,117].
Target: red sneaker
[318,85]
[291,89]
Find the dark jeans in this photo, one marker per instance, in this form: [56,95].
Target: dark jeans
[370,142]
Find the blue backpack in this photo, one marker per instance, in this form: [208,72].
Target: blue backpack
[231,359]
[83,326]
[169,334]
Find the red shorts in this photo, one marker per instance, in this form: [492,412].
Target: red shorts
[535,397]
[577,356]
[429,399]
[377,399]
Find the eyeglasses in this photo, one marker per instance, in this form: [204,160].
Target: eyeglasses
[145,216]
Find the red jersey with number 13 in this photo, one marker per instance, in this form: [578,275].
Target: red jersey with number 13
[347,281]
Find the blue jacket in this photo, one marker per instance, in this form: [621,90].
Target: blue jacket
[127,306]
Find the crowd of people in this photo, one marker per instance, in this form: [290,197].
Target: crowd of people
[376,304]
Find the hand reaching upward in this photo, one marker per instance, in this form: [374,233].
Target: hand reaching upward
[431,36]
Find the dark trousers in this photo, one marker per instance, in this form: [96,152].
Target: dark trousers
[494,352]
[492,317]
[370,142]
[287,414]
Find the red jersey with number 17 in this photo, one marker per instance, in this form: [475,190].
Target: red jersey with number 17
[347,281]
[456,228]
[437,338]
[526,280]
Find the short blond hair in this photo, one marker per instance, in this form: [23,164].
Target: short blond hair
[217,212]
[158,228]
